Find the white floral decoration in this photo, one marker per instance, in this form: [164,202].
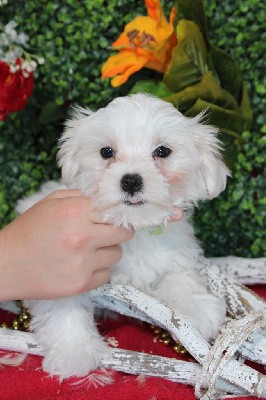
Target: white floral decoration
[12,47]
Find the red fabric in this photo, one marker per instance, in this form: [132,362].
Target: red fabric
[29,382]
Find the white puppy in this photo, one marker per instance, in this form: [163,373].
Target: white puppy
[137,158]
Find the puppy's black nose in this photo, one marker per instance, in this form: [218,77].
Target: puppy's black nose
[131,183]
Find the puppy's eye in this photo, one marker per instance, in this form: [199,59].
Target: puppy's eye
[107,152]
[162,152]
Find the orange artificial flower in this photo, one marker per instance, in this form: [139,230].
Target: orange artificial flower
[146,42]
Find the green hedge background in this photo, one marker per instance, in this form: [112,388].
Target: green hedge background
[74,38]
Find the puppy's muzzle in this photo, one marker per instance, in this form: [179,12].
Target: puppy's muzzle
[131,183]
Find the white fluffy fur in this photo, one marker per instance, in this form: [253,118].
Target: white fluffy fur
[162,265]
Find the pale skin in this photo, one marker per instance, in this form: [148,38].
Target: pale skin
[59,248]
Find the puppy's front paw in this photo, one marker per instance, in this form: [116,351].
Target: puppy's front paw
[75,358]
[206,313]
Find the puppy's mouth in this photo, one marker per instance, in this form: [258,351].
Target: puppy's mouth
[134,202]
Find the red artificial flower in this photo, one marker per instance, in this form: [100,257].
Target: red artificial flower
[15,89]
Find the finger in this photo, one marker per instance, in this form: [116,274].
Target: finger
[62,193]
[108,235]
[177,214]
[106,257]
[100,277]
[93,215]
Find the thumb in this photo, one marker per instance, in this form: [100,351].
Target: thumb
[62,193]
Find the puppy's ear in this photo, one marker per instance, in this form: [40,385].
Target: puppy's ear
[69,144]
[210,172]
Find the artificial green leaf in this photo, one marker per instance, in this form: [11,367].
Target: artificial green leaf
[152,87]
[231,147]
[207,89]
[50,113]
[228,71]
[231,122]
[192,10]
[246,109]
[189,58]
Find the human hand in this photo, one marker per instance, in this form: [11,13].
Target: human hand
[58,248]
[177,214]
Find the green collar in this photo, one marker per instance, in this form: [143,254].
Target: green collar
[157,230]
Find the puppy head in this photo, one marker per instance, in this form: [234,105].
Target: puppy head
[138,157]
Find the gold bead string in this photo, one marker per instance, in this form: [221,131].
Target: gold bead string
[21,323]
[164,337]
